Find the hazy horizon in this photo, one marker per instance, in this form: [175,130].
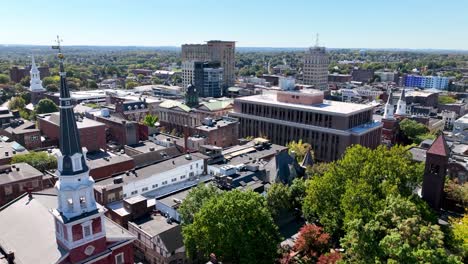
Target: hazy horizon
[366,24]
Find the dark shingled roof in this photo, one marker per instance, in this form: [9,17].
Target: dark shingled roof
[69,136]
[172,238]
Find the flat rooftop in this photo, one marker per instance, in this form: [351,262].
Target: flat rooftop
[10,173]
[10,147]
[54,118]
[216,125]
[109,160]
[150,170]
[170,199]
[333,107]
[147,146]
[155,225]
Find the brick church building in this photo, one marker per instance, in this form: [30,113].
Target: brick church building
[65,225]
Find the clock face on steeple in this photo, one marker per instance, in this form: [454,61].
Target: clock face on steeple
[89,250]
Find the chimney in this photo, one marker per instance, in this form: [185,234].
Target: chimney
[29,191]
[10,256]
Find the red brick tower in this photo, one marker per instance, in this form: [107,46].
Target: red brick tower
[390,124]
[434,173]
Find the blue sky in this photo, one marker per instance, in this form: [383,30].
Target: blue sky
[252,23]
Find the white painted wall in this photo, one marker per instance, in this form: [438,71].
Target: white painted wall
[180,173]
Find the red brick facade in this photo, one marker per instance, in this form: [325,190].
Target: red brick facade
[101,172]
[93,138]
[78,254]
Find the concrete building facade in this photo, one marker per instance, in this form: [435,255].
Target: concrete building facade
[315,70]
[214,50]
[329,126]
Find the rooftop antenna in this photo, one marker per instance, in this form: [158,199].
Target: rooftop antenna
[317,40]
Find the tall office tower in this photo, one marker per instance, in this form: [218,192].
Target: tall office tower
[214,51]
[224,52]
[208,79]
[315,71]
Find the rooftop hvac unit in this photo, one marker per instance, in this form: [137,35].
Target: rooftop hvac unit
[118,180]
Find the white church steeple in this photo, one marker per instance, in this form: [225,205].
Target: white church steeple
[35,85]
[79,219]
[401,105]
[388,111]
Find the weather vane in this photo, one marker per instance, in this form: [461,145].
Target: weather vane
[58,46]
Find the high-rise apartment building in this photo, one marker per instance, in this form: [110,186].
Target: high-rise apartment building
[329,126]
[213,51]
[434,82]
[315,71]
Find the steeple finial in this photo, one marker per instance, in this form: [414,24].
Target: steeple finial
[33,62]
[71,160]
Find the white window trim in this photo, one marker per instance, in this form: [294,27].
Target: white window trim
[90,225]
[120,255]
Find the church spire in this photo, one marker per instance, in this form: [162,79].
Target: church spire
[35,84]
[388,111]
[401,105]
[72,160]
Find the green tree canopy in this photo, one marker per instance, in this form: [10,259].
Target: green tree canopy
[52,88]
[297,192]
[354,186]
[446,99]
[397,233]
[46,106]
[4,79]
[26,80]
[156,80]
[460,232]
[39,160]
[195,199]
[413,130]
[236,226]
[131,85]
[55,80]
[16,103]
[278,199]
[150,120]
[299,148]
[92,84]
